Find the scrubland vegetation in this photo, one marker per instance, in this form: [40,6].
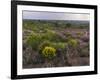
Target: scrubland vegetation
[55,43]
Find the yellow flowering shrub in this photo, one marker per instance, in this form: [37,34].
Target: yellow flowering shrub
[49,52]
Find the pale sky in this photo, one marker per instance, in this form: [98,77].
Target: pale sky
[37,15]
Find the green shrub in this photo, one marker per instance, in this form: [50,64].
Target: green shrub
[84,52]
[68,25]
[59,45]
[34,40]
[52,36]
[43,45]
[80,33]
[56,45]
[49,35]
[49,52]
[68,34]
[73,42]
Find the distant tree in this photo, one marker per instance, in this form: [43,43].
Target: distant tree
[68,25]
[56,24]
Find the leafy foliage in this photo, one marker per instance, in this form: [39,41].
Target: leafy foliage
[34,40]
[73,42]
[43,45]
[80,33]
[60,45]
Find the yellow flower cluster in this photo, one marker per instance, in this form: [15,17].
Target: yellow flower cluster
[49,52]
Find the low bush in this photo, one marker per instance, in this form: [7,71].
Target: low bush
[49,52]
[73,42]
[43,45]
[80,33]
[68,34]
[60,45]
[34,40]
[52,36]
[84,53]
[56,45]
